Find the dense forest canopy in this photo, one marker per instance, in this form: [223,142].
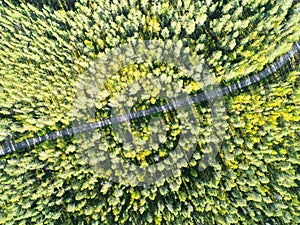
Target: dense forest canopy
[47,47]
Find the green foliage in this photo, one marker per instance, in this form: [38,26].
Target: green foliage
[55,4]
[46,48]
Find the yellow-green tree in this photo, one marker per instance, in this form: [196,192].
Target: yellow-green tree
[46,48]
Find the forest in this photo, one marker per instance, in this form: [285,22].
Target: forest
[149,112]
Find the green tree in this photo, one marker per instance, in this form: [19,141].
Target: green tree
[46,47]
